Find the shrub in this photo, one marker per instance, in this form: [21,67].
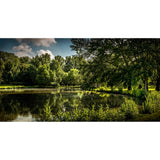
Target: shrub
[152,103]
[55,85]
[140,93]
[120,89]
[130,109]
[114,115]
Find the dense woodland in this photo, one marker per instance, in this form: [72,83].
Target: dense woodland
[121,63]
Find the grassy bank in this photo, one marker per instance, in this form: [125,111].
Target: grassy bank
[139,93]
[35,86]
[13,86]
[17,87]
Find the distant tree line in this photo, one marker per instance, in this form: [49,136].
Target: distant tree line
[40,70]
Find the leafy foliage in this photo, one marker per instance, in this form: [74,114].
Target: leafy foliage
[40,70]
[85,114]
[152,103]
[130,109]
[43,76]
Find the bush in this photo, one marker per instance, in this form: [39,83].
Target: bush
[115,115]
[130,109]
[120,89]
[55,85]
[140,93]
[152,103]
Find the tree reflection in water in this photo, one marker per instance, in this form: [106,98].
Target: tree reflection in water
[25,104]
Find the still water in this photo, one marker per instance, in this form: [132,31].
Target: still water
[28,104]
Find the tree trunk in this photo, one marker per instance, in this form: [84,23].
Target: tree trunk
[157,83]
[129,85]
[146,84]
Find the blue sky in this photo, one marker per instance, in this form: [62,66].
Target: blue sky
[31,47]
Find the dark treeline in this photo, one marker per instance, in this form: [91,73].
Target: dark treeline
[123,63]
[40,70]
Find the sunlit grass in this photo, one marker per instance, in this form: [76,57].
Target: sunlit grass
[11,86]
[151,88]
[124,90]
[35,86]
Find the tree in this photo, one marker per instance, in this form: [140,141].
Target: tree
[61,60]
[56,68]
[25,60]
[74,78]
[35,61]
[45,59]
[68,64]
[120,61]
[2,67]
[55,65]
[27,75]
[11,70]
[43,75]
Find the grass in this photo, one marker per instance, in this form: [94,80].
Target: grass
[11,86]
[17,86]
[139,93]
[35,86]
[151,88]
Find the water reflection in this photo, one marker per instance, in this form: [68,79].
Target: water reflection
[27,105]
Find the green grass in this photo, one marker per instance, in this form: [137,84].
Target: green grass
[3,87]
[17,87]
[11,86]
[140,93]
[151,88]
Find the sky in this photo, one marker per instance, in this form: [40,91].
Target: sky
[37,46]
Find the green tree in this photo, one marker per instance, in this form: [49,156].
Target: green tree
[61,60]
[74,78]
[43,75]
[68,64]
[2,67]
[11,70]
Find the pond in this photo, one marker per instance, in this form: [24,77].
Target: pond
[28,104]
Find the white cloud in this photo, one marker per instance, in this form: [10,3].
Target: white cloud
[40,52]
[45,42]
[23,50]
